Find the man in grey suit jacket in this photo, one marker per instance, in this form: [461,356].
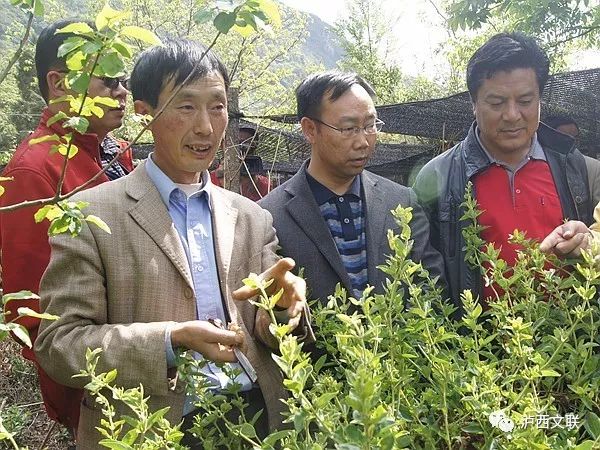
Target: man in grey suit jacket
[178,252]
[332,216]
[567,125]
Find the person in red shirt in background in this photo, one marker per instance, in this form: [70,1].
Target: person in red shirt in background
[253,184]
[36,172]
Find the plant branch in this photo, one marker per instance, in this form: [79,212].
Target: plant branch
[63,172]
[19,49]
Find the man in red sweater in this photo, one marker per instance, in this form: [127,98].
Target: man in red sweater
[36,172]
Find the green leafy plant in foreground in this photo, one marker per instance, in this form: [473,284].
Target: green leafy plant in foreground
[9,419]
[402,371]
[142,429]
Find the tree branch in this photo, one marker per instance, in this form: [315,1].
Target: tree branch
[63,172]
[571,38]
[19,50]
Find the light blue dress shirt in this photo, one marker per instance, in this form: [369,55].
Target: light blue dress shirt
[192,219]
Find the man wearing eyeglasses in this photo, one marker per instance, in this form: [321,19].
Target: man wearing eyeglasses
[36,172]
[332,217]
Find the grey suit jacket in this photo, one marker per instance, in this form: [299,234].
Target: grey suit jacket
[593,170]
[119,292]
[304,235]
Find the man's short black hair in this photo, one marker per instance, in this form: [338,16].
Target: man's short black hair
[557,120]
[505,52]
[312,90]
[46,51]
[174,60]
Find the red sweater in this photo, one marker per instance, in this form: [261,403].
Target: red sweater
[24,243]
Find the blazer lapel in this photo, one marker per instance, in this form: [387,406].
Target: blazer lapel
[224,219]
[375,220]
[153,217]
[304,210]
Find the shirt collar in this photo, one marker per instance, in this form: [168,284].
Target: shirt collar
[323,194]
[535,151]
[166,186]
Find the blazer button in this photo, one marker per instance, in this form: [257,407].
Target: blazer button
[189,293]
[578,199]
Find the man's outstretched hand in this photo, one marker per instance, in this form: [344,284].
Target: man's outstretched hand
[567,240]
[294,289]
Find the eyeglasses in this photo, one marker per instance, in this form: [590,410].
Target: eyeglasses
[347,132]
[113,83]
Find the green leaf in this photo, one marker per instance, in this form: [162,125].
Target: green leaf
[76,61]
[55,118]
[49,212]
[115,445]
[270,9]
[28,312]
[77,28]
[111,65]
[273,438]
[141,34]
[21,295]
[473,428]
[247,430]
[80,124]
[224,21]
[70,44]
[592,425]
[21,333]
[275,298]
[98,222]
[123,49]
[106,101]
[71,148]
[79,82]
[2,179]
[157,415]
[109,377]
[91,47]
[550,373]
[109,16]
[38,8]
[46,138]
[586,445]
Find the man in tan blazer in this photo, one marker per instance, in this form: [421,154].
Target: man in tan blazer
[178,251]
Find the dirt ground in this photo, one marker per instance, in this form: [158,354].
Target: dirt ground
[21,405]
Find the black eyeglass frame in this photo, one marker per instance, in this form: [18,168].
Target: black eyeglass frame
[353,131]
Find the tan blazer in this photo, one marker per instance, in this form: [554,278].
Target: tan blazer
[119,292]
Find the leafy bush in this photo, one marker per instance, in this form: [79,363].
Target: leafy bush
[402,371]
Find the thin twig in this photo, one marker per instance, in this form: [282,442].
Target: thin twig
[63,172]
[48,435]
[19,50]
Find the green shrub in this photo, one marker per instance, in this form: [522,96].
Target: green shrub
[403,372]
